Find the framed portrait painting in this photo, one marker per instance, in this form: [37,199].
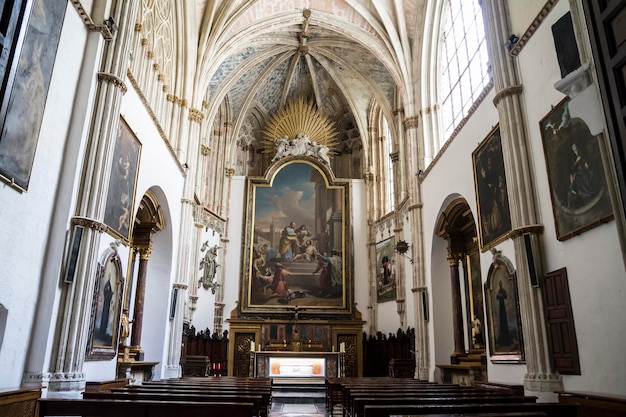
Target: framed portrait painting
[105,310]
[578,187]
[504,325]
[386,288]
[121,196]
[26,66]
[492,197]
[295,247]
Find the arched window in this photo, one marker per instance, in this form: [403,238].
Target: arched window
[463,61]
[389,175]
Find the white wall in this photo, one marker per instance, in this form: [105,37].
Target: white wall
[26,219]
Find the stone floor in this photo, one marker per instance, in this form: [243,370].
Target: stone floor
[296,410]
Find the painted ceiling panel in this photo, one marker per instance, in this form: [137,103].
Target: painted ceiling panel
[227,67]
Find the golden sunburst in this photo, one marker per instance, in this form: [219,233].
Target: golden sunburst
[300,117]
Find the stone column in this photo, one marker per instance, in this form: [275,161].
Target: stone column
[523,201]
[140,293]
[457,308]
[66,377]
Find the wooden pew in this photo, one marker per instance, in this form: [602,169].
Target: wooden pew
[49,407]
[359,403]
[222,392]
[194,396]
[593,404]
[21,402]
[501,409]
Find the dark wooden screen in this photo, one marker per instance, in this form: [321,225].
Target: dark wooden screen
[378,350]
[560,323]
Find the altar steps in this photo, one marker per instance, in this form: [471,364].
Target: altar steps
[299,392]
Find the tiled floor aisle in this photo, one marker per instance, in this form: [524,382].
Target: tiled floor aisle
[297,410]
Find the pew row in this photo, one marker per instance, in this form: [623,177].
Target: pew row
[49,407]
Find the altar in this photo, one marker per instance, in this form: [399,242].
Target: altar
[288,365]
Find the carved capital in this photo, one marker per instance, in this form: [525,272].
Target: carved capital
[507,92]
[205,150]
[411,122]
[93,224]
[138,27]
[113,79]
[195,115]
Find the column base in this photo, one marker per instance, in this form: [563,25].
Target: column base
[543,384]
[66,385]
[173,371]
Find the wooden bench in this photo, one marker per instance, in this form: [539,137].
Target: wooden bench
[193,396]
[359,403]
[49,407]
[21,402]
[593,404]
[97,386]
[512,389]
[486,409]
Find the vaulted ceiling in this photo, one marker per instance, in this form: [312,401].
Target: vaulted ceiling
[342,55]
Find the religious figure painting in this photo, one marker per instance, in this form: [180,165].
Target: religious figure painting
[121,196]
[503,315]
[385,271]
[105,311]
[26,74]
[578,186]
[296,251]
[492,196]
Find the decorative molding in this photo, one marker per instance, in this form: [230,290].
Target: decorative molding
[187,201]
[135,85]
[456,131]
[195,115]
[395,156]
[113,79]
[172,98]
[399,110]
[535,229]
[93,224]
[209,219]
[150,54]
[165,88]
[229,172]
[205,150]
[143,42]
[523,40]
[507,92]
[183,102]
[139,27]
[89,23]
[161,77]
[156,67]
[180,285]
[416,206]
[411,122]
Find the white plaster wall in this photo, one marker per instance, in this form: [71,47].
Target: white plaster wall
[26,218]
[593,259]
[523,13]
[360,248]
[235,238]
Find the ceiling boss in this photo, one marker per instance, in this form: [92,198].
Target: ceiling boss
[300,129]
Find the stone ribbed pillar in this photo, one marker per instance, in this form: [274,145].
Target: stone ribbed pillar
[419,288]
[522,197]
[66,377]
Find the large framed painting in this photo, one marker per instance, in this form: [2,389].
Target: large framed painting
[474,300]
[26,67]
[492,197]
[105,310]
[124,169]
[504,324]
[578,186]
[296,252]
[386,288]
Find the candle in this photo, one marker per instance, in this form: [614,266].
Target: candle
[252,346]
[342,347]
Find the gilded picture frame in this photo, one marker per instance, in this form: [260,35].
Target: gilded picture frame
[578,186]
[492,198]
[504,324]
[26,73]
[295,251]
[120,203]
[386,284]
[105,309]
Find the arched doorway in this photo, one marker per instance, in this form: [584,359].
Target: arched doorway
[457,227]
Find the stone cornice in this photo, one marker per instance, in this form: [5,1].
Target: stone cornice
[93,224]
[89,23]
